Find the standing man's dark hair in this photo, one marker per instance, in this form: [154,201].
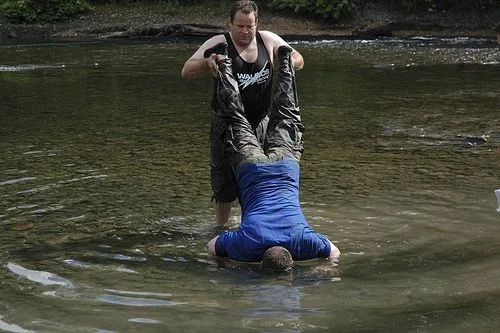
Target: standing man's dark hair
[246,7]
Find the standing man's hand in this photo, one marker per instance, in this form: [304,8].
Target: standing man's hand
[198,64]
[212,65]
[195,67]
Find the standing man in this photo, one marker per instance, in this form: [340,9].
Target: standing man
[253,53]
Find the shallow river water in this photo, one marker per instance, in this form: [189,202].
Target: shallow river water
[105,205]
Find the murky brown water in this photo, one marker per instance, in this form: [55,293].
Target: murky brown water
[105,198]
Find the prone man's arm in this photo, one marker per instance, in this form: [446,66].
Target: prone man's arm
[211,247]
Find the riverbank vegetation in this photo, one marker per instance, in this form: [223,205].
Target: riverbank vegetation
[338,9]
[46,11]
[42,11]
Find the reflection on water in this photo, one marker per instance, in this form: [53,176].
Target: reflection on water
[105,199]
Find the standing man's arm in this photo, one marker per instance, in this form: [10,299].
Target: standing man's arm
[273,42]
[197,64]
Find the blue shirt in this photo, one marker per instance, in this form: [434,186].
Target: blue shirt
[271,216]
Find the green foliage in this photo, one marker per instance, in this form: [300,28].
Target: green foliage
[35,11]
[327,9]
[338,9]
[169,2]
[419,6]
[42,11]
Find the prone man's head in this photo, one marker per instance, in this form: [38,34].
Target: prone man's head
[277,259]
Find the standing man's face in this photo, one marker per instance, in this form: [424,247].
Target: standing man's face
[243,28]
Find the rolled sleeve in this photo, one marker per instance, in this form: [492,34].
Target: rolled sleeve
[312,245]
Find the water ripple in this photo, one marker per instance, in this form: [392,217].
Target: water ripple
[136,302]
[18,180]
[144,321]
[51,208]
[45,278]
[80,264]
[137,293]
[11,327]
[28,67]
[120,257]
[58,184]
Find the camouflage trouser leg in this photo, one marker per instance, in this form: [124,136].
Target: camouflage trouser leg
[284,132]
[241,145]
[223,180]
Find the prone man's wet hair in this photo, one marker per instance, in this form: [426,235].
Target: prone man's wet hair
[246,7]
[277,259]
